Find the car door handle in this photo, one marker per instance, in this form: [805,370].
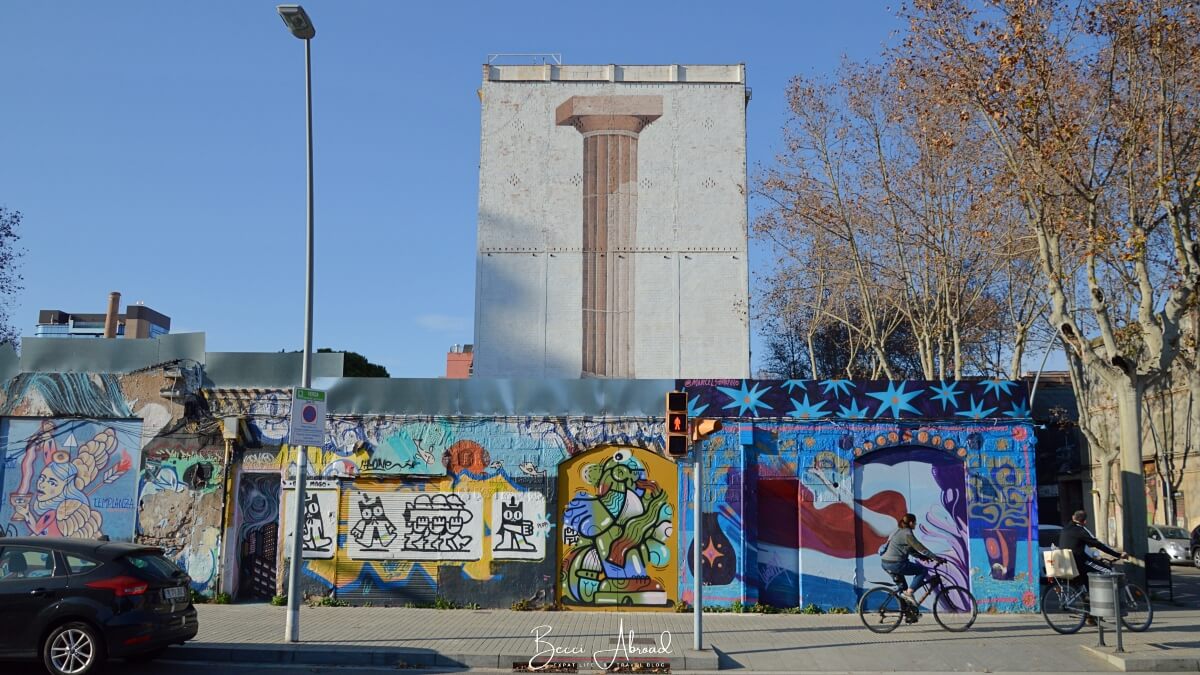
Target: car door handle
[39,591]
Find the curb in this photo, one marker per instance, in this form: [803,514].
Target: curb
[344,655]
[1143,660]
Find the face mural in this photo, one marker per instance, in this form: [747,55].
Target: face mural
[618,529]
[61,487]
[930,484]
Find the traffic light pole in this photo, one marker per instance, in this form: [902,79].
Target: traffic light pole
[697,531]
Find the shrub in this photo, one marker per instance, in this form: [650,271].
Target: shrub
[222,599]
[279,600]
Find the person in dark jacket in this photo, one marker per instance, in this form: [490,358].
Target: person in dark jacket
[1076,538]
[895,557]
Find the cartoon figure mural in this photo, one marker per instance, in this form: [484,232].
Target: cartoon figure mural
[514,530]
[374,531]
[58,487]
[315,538]
[618,529]
[519,526]
[435,523]
[319,524]
[412,525]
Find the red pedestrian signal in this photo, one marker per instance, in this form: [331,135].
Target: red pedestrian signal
[677,424]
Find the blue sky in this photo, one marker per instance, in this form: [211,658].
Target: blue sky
[157,148]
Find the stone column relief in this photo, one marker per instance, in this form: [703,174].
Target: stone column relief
[610,126]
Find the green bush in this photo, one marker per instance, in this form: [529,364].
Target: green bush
[198,598]
[327,601]
[279,600]
[222,599]
[813,609]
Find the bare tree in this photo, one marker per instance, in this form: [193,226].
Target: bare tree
[890,222]
[10,276]
[1091,107]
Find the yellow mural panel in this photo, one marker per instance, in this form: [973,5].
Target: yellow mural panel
[618,529]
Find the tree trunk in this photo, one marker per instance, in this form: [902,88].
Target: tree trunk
[1106,492]
[1129,392]
[812,357]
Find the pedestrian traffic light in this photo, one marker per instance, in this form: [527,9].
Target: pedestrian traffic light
[677,424]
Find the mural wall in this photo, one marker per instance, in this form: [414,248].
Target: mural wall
[180,504]
[70,477]
[618,545]
[91,454]
[802,486]
[457,509]
[830,484]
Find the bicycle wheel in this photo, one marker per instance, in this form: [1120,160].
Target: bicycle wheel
[880,610]
[1136,612]
[1064,617]
[955,608]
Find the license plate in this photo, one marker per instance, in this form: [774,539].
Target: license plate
[174,593]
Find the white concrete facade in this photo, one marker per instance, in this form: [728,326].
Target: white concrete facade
[654,210]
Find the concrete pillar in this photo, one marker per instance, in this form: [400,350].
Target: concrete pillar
[610,126]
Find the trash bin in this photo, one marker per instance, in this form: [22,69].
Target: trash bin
[1102,595]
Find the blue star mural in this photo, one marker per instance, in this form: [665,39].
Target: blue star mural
[746,400]
[694,407]
[1019,411]
[995,386]
[853,412]
[838,387]
[808,411]
[851,399]
[946,393]
[976,411]
[895,399]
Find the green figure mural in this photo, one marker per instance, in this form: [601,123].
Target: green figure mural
[618,530]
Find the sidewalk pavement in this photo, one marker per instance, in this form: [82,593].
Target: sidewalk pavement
[502,638]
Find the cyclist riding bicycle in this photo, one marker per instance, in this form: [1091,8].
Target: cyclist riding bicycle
[896,561]
[1076,538]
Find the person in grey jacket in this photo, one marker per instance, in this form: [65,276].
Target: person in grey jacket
[896,559]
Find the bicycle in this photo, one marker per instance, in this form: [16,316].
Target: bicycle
[1065,606]
[882,608]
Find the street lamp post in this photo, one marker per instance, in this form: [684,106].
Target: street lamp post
[301,26]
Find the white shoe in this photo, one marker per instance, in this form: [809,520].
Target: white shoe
[908,596]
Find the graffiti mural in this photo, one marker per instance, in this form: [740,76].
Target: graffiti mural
[71,478]
[415,526]
[180,504]
[618,519]
[319,533]
[257,534]
[519,526]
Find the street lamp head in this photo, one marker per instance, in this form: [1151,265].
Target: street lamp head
[297,21]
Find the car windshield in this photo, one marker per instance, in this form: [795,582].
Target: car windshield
[1174,532]
[153,564]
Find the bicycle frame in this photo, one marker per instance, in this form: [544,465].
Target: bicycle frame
[1071,594]
[932,584]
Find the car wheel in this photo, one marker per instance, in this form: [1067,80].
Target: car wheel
[72,649]
[1196,557]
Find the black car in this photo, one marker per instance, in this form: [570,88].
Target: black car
[1195,546]
[75,602]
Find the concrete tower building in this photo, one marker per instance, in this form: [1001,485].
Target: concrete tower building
[612,222]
